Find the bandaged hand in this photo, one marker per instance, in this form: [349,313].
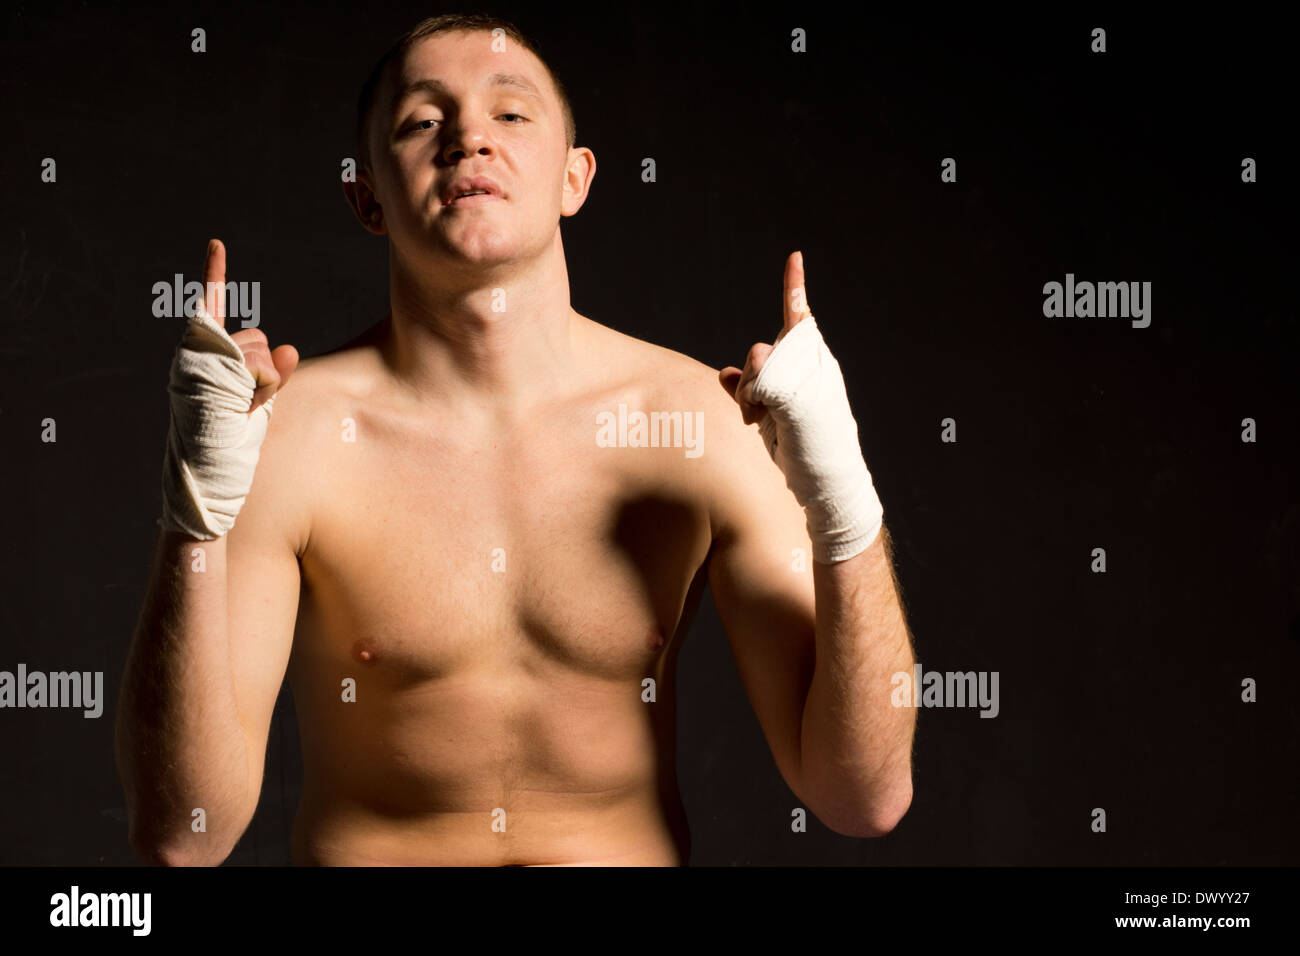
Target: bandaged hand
[222,390]
[795,391]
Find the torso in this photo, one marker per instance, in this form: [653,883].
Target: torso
[499,592]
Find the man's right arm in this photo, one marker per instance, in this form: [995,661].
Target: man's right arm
[213,639]
[200,687]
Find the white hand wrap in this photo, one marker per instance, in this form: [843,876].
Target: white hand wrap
[811,435]
[213,442]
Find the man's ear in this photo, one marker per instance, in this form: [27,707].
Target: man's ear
[577,179]
[365,206]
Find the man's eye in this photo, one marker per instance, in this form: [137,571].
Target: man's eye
[428,123]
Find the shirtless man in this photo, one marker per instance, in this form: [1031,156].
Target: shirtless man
[479,605]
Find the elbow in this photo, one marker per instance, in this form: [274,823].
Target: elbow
[155,849]
[160,854]
[885,820]
[151,851]
[875,820]
[155,854]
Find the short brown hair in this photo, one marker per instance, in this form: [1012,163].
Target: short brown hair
[428,27]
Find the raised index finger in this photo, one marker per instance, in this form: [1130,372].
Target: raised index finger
[796,295]
[214,282]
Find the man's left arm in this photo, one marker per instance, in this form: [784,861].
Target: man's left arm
[820,677]
[857,747]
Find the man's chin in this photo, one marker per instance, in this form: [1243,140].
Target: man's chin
[474,255]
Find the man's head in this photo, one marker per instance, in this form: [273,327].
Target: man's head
[382,72]
[466,97]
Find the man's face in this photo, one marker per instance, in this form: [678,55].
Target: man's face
[444,115]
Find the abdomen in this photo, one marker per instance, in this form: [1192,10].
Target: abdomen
[519,761]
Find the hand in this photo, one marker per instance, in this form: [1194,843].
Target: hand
[222,390]
[271,370]
[739,382]
[795,390]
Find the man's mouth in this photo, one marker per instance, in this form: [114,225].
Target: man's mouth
[471,191]
[473,199]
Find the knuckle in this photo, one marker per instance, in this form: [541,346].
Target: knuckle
[250,336]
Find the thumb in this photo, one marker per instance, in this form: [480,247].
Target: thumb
[730,379]
[285,360]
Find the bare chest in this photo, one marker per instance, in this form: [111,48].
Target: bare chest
[434,555]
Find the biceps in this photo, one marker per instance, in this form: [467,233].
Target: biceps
[263,582]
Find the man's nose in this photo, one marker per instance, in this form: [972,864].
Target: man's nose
[467,137]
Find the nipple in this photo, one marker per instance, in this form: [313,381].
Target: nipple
[363,650]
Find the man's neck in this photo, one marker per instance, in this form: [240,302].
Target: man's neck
[490,341]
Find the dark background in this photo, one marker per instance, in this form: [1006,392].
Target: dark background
[1118,690]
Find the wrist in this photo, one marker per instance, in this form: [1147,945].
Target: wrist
[811,434]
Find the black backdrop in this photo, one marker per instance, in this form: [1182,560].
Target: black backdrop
[1119,690]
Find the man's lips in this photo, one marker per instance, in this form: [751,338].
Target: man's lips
[453,194]
[477,200]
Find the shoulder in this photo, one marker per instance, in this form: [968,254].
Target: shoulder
[733,470]
[668,380]
[306,429]
[323,385]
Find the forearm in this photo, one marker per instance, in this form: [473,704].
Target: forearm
[855,746]
[180,743]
